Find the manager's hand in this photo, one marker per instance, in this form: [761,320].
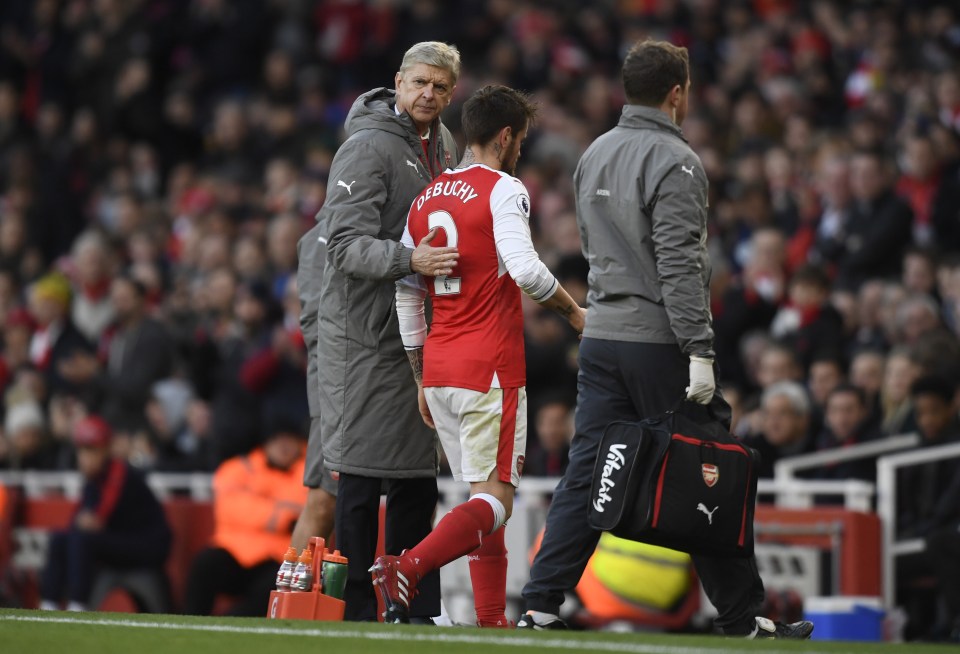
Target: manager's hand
[430,261]
[702,384]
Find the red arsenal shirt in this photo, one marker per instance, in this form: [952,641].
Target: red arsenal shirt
[476,334]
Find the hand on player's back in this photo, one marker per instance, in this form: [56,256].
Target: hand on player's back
[433,261]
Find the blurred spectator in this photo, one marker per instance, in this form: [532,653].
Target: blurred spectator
[25,445]
[17,336]
[920,271]
[900,373]
[867,374]
[833,186]
[948,288]
[919,184]
[56,346]
[785,425]
[276,375]
[878,229]
[826,373]
[808,324]
[922,502]
[928,505]
[553,426]
[751,302]
[871,332]
[846,422]
[137,353]
[92,310]
[778,363]
[257,499]
[235,410]
[118,523]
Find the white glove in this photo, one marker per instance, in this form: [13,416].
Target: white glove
[701,385]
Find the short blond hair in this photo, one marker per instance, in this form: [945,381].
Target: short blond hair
[432,53]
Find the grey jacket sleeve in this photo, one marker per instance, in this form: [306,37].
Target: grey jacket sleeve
[581,225]
[357,193]
[679,238]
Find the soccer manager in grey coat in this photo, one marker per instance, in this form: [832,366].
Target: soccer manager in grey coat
[370,424]
[641,199]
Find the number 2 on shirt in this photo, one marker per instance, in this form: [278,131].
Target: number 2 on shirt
[444,285]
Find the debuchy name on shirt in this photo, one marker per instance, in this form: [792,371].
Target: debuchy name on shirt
[457,188]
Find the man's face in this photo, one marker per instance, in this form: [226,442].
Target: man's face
[283,450]
[512,152]
[824,377]
[866,372]
[554,427]
[424,91]
[91,460]
[844,415]
[126,302]
[867,179]
[782,423]
[933,415]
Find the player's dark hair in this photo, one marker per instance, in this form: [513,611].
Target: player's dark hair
[651,69]
[491,109]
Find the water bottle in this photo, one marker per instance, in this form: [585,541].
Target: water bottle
[334,574]
[303,574]
[285,573]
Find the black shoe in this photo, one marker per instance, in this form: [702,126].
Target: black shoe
[423,621]
[768,629]
[395,615]
[526,622]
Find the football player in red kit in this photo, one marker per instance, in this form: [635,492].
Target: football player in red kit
[470,369]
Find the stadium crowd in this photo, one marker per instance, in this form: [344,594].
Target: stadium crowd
[160,159]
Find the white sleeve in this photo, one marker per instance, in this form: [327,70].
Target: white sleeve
[406,240]
[411,294]
[510,206]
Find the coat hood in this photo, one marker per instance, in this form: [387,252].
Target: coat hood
[376,110]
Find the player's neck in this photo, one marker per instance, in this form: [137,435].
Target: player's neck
[477,155]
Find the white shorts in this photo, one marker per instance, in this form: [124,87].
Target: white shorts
[481,432]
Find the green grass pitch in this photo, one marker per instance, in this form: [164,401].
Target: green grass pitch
[34,632]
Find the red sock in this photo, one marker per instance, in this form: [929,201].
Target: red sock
[488,574]
[458,533]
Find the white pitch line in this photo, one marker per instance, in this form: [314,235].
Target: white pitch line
[403,635]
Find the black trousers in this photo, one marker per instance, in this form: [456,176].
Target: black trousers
[944,548]
[410,507]
[215,571]
[626,381]
[74,556]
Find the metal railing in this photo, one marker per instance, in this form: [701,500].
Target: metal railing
[887,467]
[788,467]
[790,493]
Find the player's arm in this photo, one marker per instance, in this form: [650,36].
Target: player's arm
[410,297]
[510,206]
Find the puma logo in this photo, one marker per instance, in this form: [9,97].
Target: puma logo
[703,509]
[687,170]
[340,182]
[412,165]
